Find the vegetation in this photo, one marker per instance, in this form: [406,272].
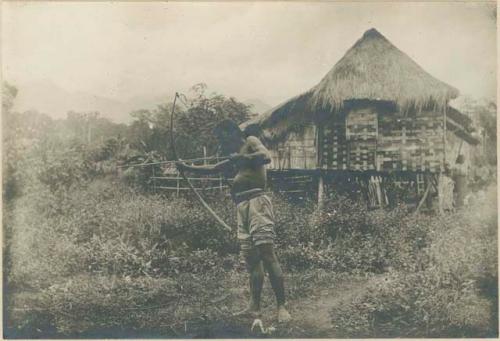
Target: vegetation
[449,290]
[89,253]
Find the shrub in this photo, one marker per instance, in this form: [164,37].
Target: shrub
[450,291]
[104,227]
[341,217]
[293,222]
[346,237]
[416,305]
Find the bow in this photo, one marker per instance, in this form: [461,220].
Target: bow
[190,185]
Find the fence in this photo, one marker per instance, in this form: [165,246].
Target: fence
[177,184]
[300,185]
[165,176]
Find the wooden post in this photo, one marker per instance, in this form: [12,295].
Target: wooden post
[178,183]
[440,193]
[440,188]
[305,154]
[321,190]
[424,197]
[289,156]
[319,147]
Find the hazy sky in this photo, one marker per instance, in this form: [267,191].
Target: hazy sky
[269,51]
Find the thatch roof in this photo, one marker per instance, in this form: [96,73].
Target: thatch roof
[373,69]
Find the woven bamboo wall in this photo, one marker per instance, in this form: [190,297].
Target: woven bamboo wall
[361,139]
[334,146]
[410,143]
[366,140]
[297,152]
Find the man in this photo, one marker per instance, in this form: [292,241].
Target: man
[248,157]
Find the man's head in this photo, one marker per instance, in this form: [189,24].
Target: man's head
[229,135]
[252,130]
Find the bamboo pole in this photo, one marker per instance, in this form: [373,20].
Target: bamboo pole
[178,183]
[429,184]
[444,158]
[321,194]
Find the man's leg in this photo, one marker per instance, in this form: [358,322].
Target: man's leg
[256,272]
[256,280]
[273,267]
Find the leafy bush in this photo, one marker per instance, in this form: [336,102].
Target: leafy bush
[346,237]
[450,291]
[107,228]
[415,305]
[293,222]
[340,217]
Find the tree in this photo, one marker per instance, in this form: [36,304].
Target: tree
[202,113]
[196,114]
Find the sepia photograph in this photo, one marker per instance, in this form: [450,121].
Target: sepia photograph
[248,170]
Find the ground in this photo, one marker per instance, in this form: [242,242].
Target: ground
[311,313]
[309,306]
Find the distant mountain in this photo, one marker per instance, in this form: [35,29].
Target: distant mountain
[47,97]
[258,106]
[51,99]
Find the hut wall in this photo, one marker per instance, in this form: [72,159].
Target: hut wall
[334,149]
[298,151]
[364,139]
[410,143]
[361,138]
[367,140]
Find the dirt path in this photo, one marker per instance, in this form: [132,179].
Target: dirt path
[316,311]
[311,314]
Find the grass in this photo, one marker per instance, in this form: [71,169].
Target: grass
[103,260]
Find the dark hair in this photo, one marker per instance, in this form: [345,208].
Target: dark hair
[460,159]
[252,130]
[227,127]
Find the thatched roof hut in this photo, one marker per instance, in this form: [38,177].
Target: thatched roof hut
[372,69]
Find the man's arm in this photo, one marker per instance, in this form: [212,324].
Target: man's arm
[205,169]
[260,154]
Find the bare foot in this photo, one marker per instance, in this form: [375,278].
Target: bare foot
[250,312]
[283,315]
